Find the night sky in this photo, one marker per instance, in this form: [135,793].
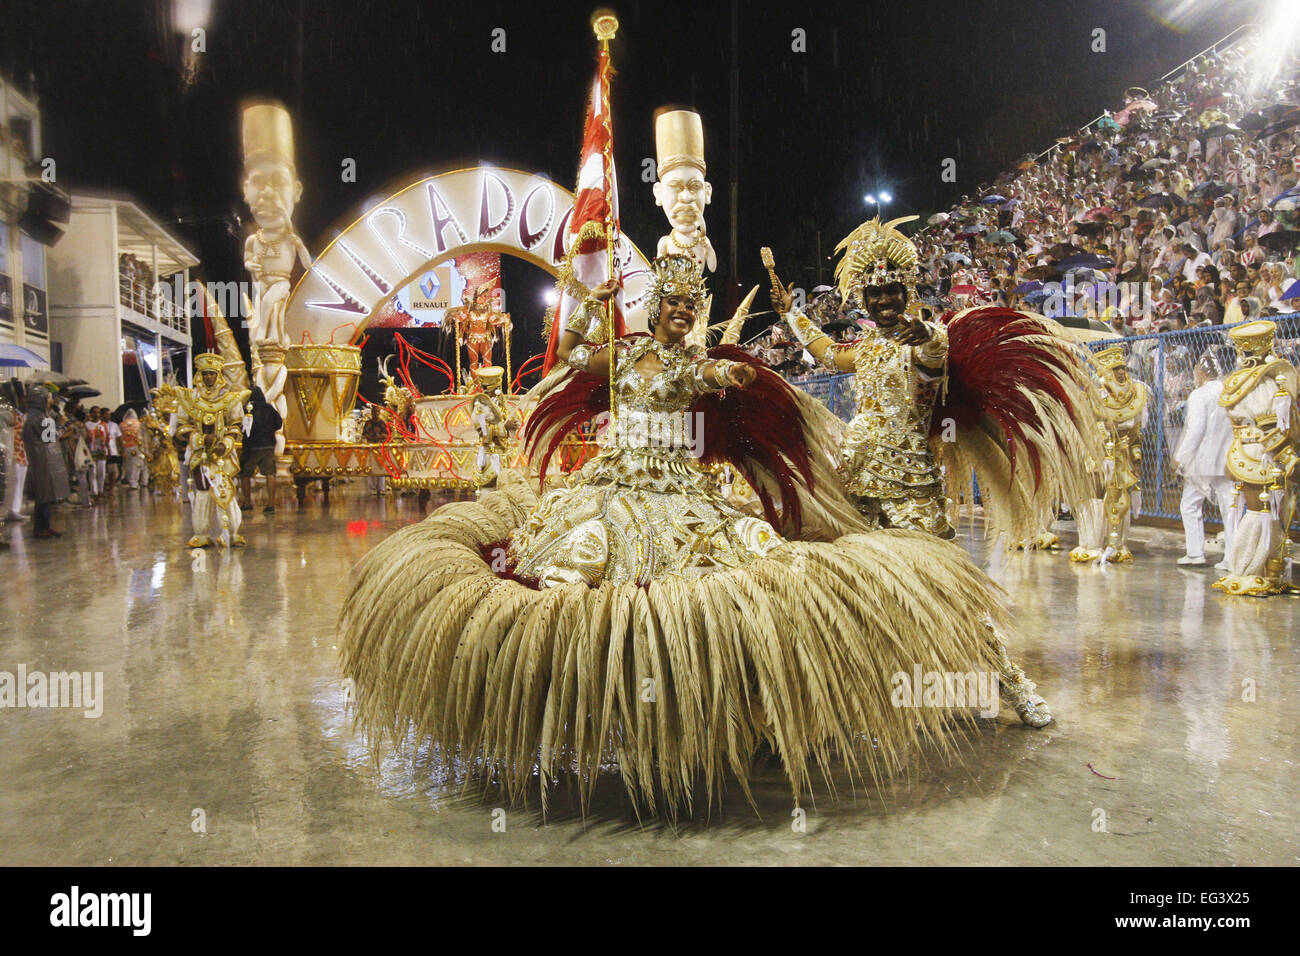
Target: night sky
[882,95]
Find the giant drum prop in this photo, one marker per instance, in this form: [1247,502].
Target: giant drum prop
[322,388]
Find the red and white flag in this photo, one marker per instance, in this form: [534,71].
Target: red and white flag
[595,212]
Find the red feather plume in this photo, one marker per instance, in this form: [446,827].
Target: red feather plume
[990,358]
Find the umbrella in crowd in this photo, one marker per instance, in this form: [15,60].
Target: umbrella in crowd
[47,377]
[1293,292]
[1089,260]
[1037,296]
[1061,250]
[1284,206]
[1092,146]
[938,218]
[958,257]
[1289,194]
[1026,287]
[1003,237]
[1281,241]
[1254,121]
[1167,116]
[1210,118]
[1221,129]
[1156,200]
[1212,190]
[82,391]
[1157,162]
[1090,228]
[1100,213]
[1280,126]
[964,289]
[1083,323]
[974,230]
[993,199]
[1045,273]
[19,357]
[1141,105]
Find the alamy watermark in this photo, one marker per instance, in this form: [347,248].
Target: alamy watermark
[1130,299]
[36,689]
[657,430]
[234,299]
[946,689]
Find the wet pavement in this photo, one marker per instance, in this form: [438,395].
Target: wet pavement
[224,736]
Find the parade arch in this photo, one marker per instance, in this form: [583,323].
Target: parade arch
[429,221]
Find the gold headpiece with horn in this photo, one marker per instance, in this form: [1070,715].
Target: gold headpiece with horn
[876,253]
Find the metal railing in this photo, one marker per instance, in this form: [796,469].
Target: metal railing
[145,300]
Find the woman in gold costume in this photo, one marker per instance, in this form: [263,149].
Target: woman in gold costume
[633,615]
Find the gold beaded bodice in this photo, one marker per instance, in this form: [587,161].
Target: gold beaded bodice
[886,450]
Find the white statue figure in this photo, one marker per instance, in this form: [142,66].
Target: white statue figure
[271,189]
[682,190]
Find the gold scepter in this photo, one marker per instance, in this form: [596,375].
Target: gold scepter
[605,24]
[778,290]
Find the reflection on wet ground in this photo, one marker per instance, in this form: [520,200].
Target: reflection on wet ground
[1175,739]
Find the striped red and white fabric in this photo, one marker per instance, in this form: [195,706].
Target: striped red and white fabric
[596,204]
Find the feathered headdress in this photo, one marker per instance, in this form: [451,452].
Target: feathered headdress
[876,253]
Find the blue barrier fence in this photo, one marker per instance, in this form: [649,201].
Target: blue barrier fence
[1164,362]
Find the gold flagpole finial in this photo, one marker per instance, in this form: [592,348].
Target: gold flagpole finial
[604,24]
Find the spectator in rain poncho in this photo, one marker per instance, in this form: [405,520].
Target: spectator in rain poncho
[48,474]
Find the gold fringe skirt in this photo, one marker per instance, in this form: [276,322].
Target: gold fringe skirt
[678,682]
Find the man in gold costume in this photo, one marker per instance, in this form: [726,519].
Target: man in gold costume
[491,415]
[901,370]
[1121,405]
[209,420]
[898,371]
[1260,397]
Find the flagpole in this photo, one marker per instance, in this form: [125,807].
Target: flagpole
[605,24]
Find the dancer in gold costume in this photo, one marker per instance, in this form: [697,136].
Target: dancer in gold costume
[987,383]
[209,419]
[634,615]
[1103,517]
[164,462]
[1260,397]
[982,390]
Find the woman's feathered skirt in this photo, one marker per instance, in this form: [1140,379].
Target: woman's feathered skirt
[677,682]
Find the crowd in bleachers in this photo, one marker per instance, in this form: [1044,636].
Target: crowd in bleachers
[1178,211]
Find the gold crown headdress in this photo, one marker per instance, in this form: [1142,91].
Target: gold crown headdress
[1254,338]
[876,253]
[209,362]
[674,275]
[1110,358]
